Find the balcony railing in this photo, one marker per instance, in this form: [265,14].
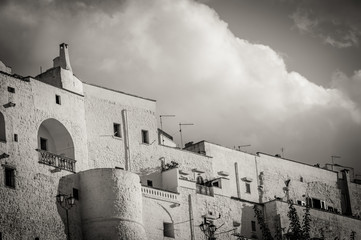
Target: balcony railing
[160,194]
[57,161]
[205,190]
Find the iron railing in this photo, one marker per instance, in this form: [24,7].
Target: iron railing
[57,161]
[205,190]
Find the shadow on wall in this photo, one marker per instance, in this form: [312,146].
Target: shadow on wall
[248,222]
[69,203]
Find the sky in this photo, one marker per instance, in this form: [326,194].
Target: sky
[282,76]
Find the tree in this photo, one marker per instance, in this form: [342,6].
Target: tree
[296,231]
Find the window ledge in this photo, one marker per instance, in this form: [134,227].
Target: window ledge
[118,138]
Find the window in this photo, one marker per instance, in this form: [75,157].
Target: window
[253,224]
[37,238]
[301,179]
[150,183]
[200,180]
[216,183]
[44,144]
[117,130]
[168,230]
[10,177]
[11,89]
[2,128]
[248,188]
[323,205]
[145,137]
[57,99]
[316,203]
[15,137]
[76,193]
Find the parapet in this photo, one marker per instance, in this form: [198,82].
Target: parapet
[4,68]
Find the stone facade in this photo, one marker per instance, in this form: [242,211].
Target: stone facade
[59,135]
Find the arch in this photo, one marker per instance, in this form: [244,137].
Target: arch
[2,128]
[55,138]
[200,180]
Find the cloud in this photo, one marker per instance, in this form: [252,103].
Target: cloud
[180,53]
[334,24]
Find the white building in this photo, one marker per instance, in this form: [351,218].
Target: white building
[101,146]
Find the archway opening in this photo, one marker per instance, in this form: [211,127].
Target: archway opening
[53,137]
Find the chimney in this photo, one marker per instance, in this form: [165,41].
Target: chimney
[63,60]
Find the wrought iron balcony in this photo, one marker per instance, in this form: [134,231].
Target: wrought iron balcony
[205,190]
[57,161]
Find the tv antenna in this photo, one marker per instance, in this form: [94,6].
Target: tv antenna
[333,163]
[161,123]
[241,146]
[180,130]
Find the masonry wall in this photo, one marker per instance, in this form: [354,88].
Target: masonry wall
[239,165]
[188,215]
[35,213]
[304,180]
[355,198]
[332,225]
[103,108]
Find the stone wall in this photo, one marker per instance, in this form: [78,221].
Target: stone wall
[31,209]
[303,180]
[332,225]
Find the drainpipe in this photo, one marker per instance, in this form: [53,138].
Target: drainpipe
[237,180]
[126,140]
[191,222]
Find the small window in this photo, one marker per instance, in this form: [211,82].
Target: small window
[117,130]
[248,188]
[57,99]
[301,179]
[76,194]
[299,202]
[253,224]
[168,230]
[37,238]
[10,177]
[1,236]
[145,136]
[11,90]
[44,144]
[15,137]
[150,183]
[2,128]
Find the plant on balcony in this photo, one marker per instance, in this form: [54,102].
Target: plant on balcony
[171,165]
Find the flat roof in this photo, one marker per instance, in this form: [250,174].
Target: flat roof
[117,91]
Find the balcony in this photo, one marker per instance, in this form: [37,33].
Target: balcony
[57,161]
[205,190]
[160,194]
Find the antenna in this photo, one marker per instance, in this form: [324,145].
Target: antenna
[161,123]
[332,157]
[241,146]
[180,130]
